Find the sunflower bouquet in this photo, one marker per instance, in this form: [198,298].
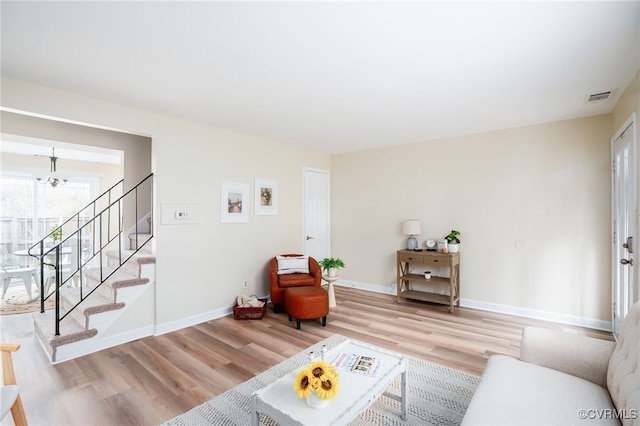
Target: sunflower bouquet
[318,376]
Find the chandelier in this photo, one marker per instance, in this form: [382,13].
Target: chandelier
[54,179]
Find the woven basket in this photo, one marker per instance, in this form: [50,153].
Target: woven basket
[250,313]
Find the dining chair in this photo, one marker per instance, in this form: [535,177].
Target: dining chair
[9,269]
[10,391]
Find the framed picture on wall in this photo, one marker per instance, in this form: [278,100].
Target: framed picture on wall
[234,202]
[266,196]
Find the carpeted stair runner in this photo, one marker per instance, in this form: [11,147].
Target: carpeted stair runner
[77,326]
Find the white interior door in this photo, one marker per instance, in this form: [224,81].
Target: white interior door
[625,221]
[316,239]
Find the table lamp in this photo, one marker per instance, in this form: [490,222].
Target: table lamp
[411,228]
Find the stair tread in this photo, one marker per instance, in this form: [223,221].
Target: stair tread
[140,256]
[119,279]
[94,273]
[69,327]
[72,296]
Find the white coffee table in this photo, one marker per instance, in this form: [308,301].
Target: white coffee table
[356,392]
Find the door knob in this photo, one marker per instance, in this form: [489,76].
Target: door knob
[629,244]
[626,261]
[309,238]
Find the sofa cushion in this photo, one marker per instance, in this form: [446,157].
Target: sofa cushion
[293,264]
[623,376]
[296,280]
[574,354]
[513,392]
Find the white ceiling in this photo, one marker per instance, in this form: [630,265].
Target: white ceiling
[332,76]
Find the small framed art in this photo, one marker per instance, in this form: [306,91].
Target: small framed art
[234,202]
[266,196]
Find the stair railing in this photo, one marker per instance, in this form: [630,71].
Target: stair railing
[102,236]
[38,249]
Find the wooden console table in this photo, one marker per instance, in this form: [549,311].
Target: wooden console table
[427,260]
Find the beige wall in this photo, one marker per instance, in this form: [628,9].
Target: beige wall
[628,103]
[532,205]
[200,267]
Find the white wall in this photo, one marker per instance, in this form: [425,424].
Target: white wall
[532,205]
[200,267]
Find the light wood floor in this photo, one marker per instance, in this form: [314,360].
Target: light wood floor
[151,380]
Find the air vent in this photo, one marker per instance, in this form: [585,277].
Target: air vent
[599,97]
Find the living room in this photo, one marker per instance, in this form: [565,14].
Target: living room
[532,202]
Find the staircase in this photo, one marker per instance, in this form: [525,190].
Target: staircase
[106,283]
[91,318]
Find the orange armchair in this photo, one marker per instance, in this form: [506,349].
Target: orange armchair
[279,282]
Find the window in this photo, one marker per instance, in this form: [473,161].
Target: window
[30,209]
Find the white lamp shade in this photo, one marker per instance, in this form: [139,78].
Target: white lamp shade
[411,227]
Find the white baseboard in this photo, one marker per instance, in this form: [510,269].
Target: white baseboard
[86,347]
[151,330]
[595,324]
[75,351]
[498,308]
[89,346]
[391,290]
[369,287]
[168,327]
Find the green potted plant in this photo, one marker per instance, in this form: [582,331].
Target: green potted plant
[453,241]
[56,232]
[331,265]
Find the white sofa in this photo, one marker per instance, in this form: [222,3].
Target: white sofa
[563,379]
